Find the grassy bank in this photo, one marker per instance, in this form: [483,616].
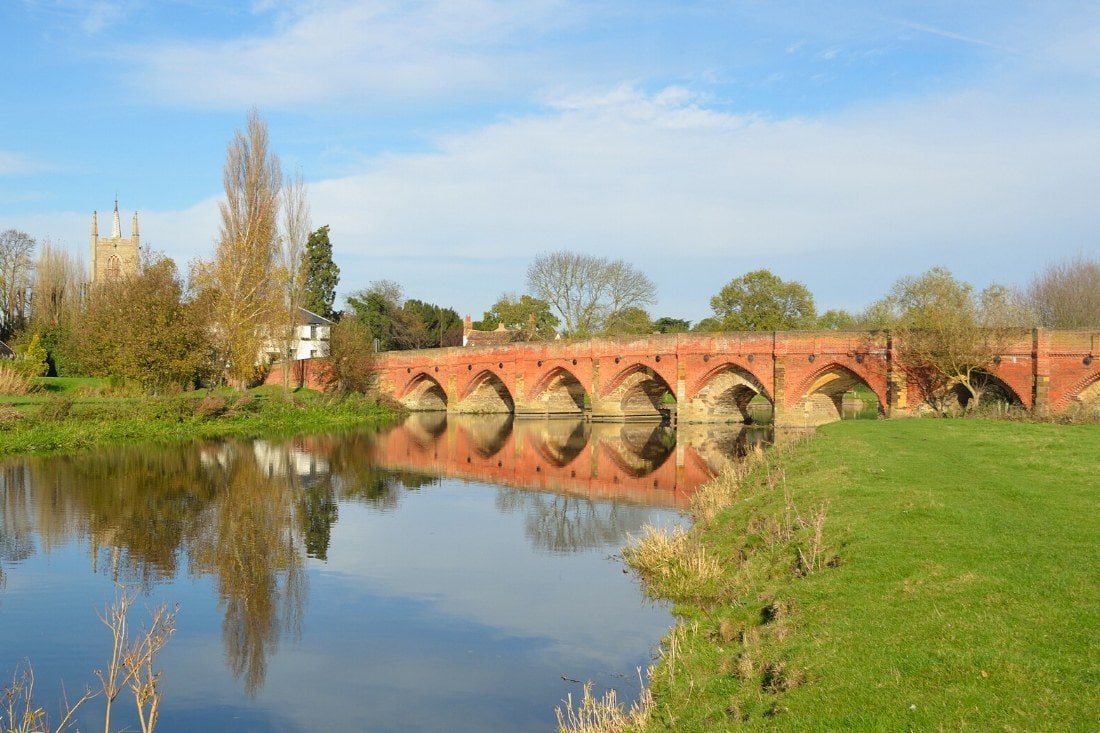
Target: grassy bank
[891,575]
[69,415]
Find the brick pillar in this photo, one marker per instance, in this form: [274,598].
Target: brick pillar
[779,380]
[1040,371]
[779,392]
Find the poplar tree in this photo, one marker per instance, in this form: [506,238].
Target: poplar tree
[242,281]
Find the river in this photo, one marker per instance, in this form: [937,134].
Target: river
[457,575]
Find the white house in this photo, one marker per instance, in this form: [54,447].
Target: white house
[311,337]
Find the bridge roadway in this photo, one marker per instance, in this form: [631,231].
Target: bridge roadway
[713,376]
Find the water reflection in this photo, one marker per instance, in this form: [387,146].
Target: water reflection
[647,463]
[248,515]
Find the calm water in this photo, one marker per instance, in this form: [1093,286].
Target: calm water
[435,576]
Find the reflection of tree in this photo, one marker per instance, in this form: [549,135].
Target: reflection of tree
[317,511]
[560,523]
[16,526]
[248,540]
[135,505]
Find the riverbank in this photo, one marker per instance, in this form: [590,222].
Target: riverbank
[890,575]
[72,415]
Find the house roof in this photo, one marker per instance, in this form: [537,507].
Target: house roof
[309,318]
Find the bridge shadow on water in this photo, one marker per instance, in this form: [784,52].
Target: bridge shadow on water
[645,462]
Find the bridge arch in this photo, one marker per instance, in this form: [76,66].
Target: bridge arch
[821,393]
[485,392]
[424,394]
[558,392]
[1086,392]
[636,392]
[722,394]
[993,389]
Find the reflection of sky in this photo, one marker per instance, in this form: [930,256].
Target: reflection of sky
[437,614]
[450,544]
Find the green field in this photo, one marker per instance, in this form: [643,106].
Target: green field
[955,586]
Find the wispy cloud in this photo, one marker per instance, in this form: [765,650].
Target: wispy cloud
[91,16]
[359,53]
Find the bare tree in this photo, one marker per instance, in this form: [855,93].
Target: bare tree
[296,226]
[1067,294]
[16,268]
[586,290]
[55,296]
[243,280]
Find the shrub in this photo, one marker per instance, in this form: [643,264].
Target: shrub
[210,407]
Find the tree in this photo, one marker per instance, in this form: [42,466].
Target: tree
[586,290]
[530,317]
[428,325]
[1067,294]
[761,301]
[349,367]
[144,328]
[628,321]
[292,270]
[16,267]
[945,337]
[55,297]
[378,308]
[246,299]
[837,320]
[321,274]
[665,324]
[56,303]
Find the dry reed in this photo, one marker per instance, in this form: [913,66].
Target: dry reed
[604,714]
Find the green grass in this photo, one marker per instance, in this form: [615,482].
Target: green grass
[963,591]
[70,415]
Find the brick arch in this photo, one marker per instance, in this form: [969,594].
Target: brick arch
[485,392]
[723,392]
[558,391]
[635,390]
[823,389]
[1086,389]
[423,393]
[836,375]
[992,380]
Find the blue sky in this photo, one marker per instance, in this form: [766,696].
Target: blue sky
[448,142]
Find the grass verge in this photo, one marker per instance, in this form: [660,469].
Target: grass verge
[894,575]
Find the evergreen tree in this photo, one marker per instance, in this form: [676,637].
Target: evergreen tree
[322,274]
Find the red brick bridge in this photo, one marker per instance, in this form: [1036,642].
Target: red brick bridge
[712,377]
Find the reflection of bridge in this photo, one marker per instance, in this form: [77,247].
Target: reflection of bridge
[712,377]
[642,463]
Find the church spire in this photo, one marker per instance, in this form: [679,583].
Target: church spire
[116,225]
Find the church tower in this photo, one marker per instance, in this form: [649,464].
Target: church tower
[114,256]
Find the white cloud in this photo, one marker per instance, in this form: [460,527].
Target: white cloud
[639,176]
[354,53]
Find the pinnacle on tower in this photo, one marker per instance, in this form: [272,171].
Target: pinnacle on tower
[116,225]
[95,226]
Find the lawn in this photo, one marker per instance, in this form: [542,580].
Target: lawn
[957,587]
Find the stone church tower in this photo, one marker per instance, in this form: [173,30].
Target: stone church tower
[114,256]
